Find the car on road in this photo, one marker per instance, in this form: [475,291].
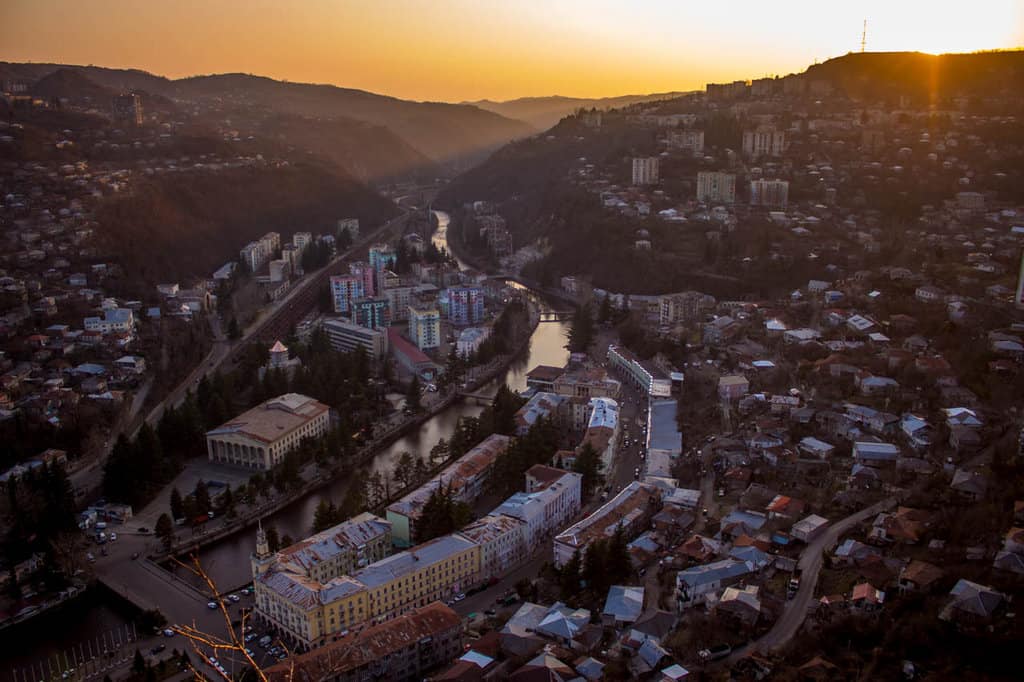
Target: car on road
[234,598]
[113,537]
[460,596]
[143,530]
[135,555]
[714,653]
[168,633]
[157,649]
[490,612]
[211,605]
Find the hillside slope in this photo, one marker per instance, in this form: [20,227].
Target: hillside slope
[544,112]
[174,227]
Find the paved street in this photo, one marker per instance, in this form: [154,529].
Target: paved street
[810,564]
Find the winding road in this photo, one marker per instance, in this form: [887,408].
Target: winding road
[795,611]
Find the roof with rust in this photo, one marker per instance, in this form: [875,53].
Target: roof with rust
[376,643]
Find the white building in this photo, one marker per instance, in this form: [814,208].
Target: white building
[645,170]
[346,337]
[425,326]
[764,141]
[113,320]
[547,508]
[770,193]
[470,339]
[716,187]
[687,140]
[259,438]
[502,541]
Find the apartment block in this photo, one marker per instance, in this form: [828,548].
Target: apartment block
[645,170]
[344,290]
[770,193]
[465,306]
[716,187]
[425,326]
[346,337]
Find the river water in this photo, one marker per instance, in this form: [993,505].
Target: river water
[227,561]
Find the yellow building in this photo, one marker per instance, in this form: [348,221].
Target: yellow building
[312,613]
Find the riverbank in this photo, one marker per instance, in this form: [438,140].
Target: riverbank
[363,457]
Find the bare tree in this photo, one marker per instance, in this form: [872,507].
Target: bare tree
[233,645]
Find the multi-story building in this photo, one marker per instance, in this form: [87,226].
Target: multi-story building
[425,326]
[308,612]
[344,290]
[404,649]
[470,339]
[551,501]
[541,405]
[723,91]
[502,540]
[630,510]
[602,429]
[301,240]
[336,551]
[684,307]
[349,226]
[464,479]
[643,374]
[716,187]
[770,193]
[346,337]
[764,141]
[382,257]
[587,384]
[399,299]
[465,305]
[127,109]
[363,271]
[687,140]
[259,438]
[645,170]
[253,256]
[371,312]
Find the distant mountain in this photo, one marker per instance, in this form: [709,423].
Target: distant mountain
[544,112]
[455,134]
[882,76]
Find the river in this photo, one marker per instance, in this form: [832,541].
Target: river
[227,561]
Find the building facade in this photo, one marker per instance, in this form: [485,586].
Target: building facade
[425,326]
[344,290]
[371,312]
[770,193]
[716,187]
[346,337]
[645,170]
[764,141]
[465,305]
[259,438]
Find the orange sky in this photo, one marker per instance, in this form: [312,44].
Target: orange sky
[455,50]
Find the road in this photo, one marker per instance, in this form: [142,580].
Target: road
[810,563]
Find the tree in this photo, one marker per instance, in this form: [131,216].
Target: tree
[412,395]
[234,333]
[165,530]
[569,576]
[404,469]
[138,663]
[581,334]
[273,540]
[588,464]
[176,510]
[202,497]
[605,312]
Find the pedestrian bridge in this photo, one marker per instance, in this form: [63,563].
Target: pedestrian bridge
[479,398]
[556,315]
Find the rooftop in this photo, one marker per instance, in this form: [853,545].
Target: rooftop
[274,419]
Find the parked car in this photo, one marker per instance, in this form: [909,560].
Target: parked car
[211,605]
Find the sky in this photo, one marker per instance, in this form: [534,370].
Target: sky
[463,50]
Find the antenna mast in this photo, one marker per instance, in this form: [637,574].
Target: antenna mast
[864,36]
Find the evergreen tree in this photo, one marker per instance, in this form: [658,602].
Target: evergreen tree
[605,313]
[569,576]
[404,469]
[588,464]
[617,561]
[138,663]
[234,333]
[202,497]
[412,395]
[581,334]
[176,511]
[273,541]
[165,530]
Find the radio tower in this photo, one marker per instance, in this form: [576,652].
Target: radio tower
[864,36]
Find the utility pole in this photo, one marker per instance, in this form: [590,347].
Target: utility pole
[864,36]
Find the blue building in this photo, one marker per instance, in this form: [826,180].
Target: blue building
[371,312]
[465,306]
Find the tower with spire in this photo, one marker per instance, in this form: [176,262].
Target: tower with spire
[262,557]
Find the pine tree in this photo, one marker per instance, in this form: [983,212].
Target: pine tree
[176,511]
[412,395]
[165,530]
[234,333]
[588,464]
[202,497]
[581,334]
[273,540]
